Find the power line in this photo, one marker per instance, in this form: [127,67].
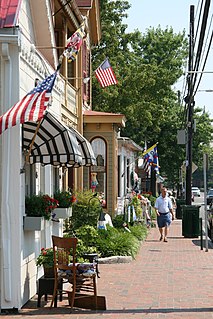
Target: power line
[201,40]
[210,42]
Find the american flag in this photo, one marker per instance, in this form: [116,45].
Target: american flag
[31,107]
[105,75]
[146,166]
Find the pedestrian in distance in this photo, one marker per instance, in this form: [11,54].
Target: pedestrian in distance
[165,214]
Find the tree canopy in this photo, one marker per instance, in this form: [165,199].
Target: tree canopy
[146,65]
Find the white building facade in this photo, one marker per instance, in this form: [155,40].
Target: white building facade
[28,52]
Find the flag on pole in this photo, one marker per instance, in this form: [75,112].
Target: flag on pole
[105,75]
[146,166]
[151,156]
[31,107]
[74,44]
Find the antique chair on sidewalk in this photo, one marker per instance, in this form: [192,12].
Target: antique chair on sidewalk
[79,280]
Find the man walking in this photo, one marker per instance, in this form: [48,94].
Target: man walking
[163,207]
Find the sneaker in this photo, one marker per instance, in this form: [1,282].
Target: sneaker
[161,237]
[165,239]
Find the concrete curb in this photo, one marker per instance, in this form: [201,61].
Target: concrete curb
[115,260]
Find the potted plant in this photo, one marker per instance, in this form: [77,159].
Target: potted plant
[37,209]
[65,200]
[46,259]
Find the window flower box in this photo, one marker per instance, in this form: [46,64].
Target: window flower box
[38,210]
[33,223]
[62,212]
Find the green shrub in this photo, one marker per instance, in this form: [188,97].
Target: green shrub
[85,211]
[84,215]
[88,234]
[114,242]
[118,221]
[139,231]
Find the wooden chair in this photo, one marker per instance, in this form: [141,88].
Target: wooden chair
[79,284]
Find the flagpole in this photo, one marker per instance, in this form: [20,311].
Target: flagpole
[57,69]
[27,156]
[32,142]
[149,149]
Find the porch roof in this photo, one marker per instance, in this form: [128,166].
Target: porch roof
[9,10]
[104,117]
[126,141]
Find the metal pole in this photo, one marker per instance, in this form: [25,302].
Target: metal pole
[190,101]
[205,201]
[201,233]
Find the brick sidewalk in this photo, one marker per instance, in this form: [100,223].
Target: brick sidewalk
[167,280]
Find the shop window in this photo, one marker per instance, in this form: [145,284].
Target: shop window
[99,148]
[30,179]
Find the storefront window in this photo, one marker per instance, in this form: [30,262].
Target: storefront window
[99,172]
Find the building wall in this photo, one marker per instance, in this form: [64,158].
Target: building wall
[20,64]
[11,180]
[19,249]
[108,133]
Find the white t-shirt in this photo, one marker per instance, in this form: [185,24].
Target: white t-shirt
[163,204]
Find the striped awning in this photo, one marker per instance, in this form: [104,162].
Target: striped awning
[88,156]
[56,144]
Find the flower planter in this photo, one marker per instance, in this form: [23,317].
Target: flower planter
[32,223]
[48,272]
[63,212]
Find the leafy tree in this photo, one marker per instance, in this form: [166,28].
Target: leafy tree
[146,66]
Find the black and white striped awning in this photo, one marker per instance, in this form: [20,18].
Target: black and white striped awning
[88,157]
[56,144]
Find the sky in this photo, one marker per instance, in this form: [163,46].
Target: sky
[144,14]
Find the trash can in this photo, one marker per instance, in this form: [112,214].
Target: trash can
[179,203]
[190,221]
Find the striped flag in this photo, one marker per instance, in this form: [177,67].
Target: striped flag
[105,75]
[146,166]
[31,107]
[151,156]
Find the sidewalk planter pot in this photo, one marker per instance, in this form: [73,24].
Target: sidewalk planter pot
[48,272]
[63,212]
[32,223]
[46,260]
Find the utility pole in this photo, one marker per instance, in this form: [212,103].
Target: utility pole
[190,102]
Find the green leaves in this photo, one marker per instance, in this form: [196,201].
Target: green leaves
[147,65]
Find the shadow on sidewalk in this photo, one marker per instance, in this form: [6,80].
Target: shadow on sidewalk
[33,310]
[197,242]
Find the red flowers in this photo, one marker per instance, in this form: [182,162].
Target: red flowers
[45,257]
[49,203]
